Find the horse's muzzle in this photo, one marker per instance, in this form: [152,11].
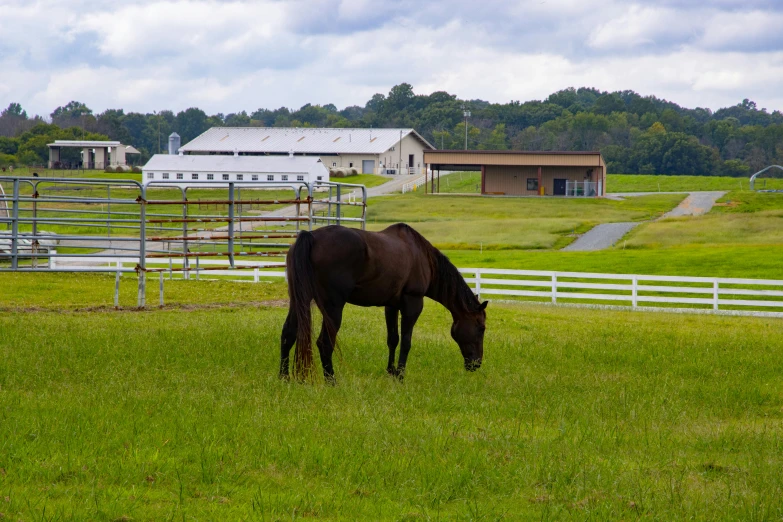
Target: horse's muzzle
[472,365]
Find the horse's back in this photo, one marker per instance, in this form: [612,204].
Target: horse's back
[370,268]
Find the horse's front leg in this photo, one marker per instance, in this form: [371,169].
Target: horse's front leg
[392,336]
[410,309]
[328,337]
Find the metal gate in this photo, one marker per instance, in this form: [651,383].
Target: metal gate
[163,225]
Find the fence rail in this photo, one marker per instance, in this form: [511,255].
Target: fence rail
[93,218]
[643,292]
[632,290]
[411,186]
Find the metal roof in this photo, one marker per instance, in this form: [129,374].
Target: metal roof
[80,143]
[241,164]
[299,140]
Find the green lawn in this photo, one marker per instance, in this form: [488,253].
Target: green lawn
[575,414]
[470,183]
[470,223]
[652,183]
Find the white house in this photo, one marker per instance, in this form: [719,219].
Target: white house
[217,170]
[370,151]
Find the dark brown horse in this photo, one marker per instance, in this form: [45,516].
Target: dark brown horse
[395,268]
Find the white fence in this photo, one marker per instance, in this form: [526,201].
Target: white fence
[411,186]
[642,292]
[399,171]
[635,291]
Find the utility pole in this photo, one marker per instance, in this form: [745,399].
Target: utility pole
[466,113]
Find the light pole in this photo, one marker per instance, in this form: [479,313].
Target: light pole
[466,113]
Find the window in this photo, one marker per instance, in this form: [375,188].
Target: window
[300,178]
[334,164]
[165,175]
[225,177]
[240,177]
[285,177]
[270,177]
[391,149]
[350,165]
[255,177]
[532,183]
[194,176]
[150,175]
[320,178]
[210,177]
[180,176]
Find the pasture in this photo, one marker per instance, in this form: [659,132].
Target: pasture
[177,413]
[575,414]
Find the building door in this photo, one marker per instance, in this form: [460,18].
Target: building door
[410,160]
[560,187]
[368,166]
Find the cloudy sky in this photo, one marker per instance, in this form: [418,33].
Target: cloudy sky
[227,56]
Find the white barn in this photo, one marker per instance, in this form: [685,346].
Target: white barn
[216,171]
[370,151]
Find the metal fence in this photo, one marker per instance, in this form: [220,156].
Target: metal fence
[46,222]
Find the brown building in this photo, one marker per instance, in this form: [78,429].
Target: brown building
[525,173]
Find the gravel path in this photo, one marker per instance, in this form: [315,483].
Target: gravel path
[606,235]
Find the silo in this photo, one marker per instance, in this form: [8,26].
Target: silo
[174,143]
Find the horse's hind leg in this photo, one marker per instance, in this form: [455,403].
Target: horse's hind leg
[392,336]
[287,340]
[327,339]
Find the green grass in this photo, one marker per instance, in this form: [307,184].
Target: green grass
[755,261]
[652,183]
[368,180]
[470,183]
[575,414]
[739,218]
[460,183]
[467,223]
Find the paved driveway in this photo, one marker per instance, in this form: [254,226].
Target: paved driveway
[606,235]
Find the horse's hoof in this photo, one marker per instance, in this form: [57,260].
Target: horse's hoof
[284,377]
[330,380]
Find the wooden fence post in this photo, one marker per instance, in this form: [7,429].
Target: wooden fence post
[554,288]
[715,295]
[478,283]
[635,291]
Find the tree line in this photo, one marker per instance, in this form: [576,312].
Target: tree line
[635,133]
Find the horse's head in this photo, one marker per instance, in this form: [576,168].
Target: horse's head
[468,330]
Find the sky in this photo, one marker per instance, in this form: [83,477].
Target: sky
[229,56]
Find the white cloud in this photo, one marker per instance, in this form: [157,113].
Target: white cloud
[226,56]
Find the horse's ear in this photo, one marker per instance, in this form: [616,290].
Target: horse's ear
[483,305]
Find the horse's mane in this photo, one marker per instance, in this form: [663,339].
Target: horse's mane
[448,286]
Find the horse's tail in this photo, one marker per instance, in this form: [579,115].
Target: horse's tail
[301,292]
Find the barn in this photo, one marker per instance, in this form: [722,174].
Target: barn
[522,173]
[215,171]
[370,151]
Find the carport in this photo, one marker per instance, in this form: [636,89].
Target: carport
[522,173]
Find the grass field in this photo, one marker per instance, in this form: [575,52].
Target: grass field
[470,183]
[466,223]
[576,414]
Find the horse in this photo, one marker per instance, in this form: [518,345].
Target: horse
[394,268]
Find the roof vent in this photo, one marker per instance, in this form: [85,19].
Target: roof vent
[236,151]
[291,153]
